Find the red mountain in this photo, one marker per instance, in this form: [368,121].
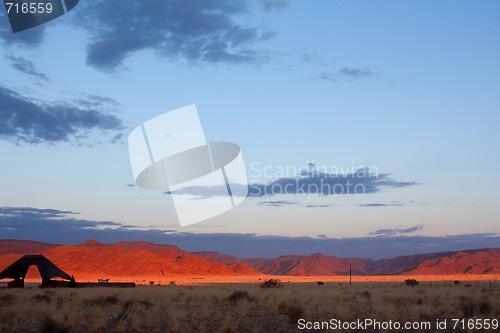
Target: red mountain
[484,261]
[138,259]
[315,264]
[468,262]
[22,247]
[236,265]
[217,257]
[135,259]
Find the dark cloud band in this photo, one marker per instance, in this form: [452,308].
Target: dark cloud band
[63,227]
[321,183]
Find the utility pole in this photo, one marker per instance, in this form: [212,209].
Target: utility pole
[350,274]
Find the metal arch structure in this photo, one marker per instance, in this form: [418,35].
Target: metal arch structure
[47,269]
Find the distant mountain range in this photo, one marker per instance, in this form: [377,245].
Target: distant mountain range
[143,258]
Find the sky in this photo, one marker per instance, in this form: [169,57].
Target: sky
[401,99]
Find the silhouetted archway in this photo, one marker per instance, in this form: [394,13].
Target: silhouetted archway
[47,269]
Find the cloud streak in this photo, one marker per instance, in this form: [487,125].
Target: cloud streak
[26,219]
[31,121]
[276,203]
[392,204]
[270,5]
[346,73]
[25,66]
[355,73]
[396,231]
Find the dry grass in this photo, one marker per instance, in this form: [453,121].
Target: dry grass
[238,307]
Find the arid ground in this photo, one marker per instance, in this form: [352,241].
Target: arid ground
[34,276]
[245,307]
[208,292]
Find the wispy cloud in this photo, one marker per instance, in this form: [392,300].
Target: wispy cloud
[390,204]
[270,5]
[95,101]
[21,217]
[309,57]
[31,121]
[396,231]
[316,206]
[327,77]
[201,192]
[276,203]
[25,66]
[346,73]
[355,73]
[196,31]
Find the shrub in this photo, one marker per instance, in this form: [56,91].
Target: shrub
[467,308]
[42,299]
[272,283]
[484,307]
[293,311]
[111,299]
[49,325]
[7,299]
[101,301]
[146,304]
[411,282]
[239,295]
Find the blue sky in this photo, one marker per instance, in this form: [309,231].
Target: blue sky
[408,89]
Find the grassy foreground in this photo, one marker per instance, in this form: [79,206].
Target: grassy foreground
[239,307]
